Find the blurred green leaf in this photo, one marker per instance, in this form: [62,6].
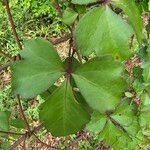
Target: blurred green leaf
[18,123]
[69,16]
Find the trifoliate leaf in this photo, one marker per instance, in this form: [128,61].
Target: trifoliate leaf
[100,82]
[39,68]
[104,32]
[97,123]
[130,8]
[62,114]
[69,16]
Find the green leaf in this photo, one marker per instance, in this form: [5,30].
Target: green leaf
[83,2]
[39,68]
[126,118]
[123,115]
[116,138]
[104,32]
[5,145]
[146,74]
[81,9]
[100,82]
[4,123]
[97,123]
[62,114]
[130,8]
[117,129]
[145,97]
[18,123]
[110,134]
[144,118]
[69,16]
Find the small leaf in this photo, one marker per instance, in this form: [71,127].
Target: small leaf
[81,9]
[116,138]
[123,115]
[62,114]
[128,94]
[5,145]
[39,68]
[110,134]
[4,123]
[144,118]
[83,2]
[97,123]
[18,123]
[145,99]
[100,82]
[126,118]
[103,32]
[130,8]
[146,75]
[69,16]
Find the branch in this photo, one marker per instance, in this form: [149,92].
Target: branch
[57,6]
[62,39]
[45,144]
[22,113]
[26,135]
[10,132]
[12,24]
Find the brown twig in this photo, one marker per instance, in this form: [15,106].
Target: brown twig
[48,146]
[62,39]
[12,24]
[26,135]
[10,132]
[131,42]
[57,6]
[22,113]
[24,144]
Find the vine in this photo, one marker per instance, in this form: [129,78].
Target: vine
[97,93]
